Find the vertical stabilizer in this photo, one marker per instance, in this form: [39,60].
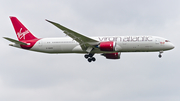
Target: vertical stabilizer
[21,31]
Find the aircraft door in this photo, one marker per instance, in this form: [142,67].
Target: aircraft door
[157,40]
[40,43]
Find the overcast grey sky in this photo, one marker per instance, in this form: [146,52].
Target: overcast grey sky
[32,76]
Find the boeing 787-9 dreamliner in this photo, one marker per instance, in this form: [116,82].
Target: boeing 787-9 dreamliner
[108,46]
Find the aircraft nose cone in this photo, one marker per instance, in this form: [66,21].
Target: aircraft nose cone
[171,46]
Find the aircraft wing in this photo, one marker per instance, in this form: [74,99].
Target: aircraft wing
[15,41]
[86,43]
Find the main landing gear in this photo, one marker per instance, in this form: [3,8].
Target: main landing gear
[90,57]
[160,52]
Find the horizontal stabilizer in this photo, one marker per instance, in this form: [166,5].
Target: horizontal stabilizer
[15,41]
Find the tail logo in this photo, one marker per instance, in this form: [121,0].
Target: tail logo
[21,34]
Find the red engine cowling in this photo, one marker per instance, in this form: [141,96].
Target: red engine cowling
[107,46]
[112,55]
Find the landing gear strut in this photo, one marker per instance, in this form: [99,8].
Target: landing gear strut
[90,57]
[160,54]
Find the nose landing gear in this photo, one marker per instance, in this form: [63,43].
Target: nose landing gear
[160,54]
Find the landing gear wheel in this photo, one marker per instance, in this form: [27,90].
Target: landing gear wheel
[93,59]
[89,60]
[86,56]
[160,55]
[90,57]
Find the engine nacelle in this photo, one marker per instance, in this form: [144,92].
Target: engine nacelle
[112,55]
[107,46]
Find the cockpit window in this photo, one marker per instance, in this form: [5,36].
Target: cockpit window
[167,41]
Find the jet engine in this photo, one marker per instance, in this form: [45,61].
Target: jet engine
[112,55]
[107,46]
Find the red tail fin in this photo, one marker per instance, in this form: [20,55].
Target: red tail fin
[21,31]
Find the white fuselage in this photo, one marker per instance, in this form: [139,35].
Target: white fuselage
[123,44]
[108,46]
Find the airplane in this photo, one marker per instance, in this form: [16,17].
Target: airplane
[108,46]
